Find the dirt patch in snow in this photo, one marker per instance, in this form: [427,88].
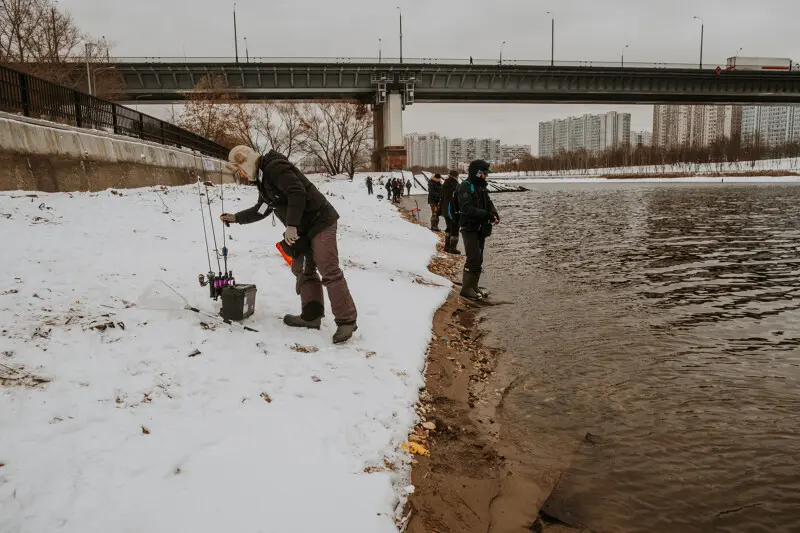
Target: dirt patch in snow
[466,484]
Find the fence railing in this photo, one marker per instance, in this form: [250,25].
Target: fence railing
[38,98]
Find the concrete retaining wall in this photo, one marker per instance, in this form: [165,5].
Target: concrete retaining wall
[44,156]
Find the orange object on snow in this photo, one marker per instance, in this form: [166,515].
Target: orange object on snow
[286,256]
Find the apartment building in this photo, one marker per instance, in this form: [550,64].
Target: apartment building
[593,133]
[770,125]
[694,125]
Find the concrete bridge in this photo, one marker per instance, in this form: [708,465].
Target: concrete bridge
[390,85]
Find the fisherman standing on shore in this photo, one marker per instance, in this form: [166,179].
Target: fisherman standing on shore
[445,208]
[477,215]
[434,200]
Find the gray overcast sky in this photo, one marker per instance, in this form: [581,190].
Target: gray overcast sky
[656,30]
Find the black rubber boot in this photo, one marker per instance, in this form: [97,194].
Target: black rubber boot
[480,290]
[469,285]
[454,245]
[447,243]
[435,224]
[344,332]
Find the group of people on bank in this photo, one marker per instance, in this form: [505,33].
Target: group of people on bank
[468,210]
[394,187]
[312,227]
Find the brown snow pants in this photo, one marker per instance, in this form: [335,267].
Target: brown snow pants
[323,258]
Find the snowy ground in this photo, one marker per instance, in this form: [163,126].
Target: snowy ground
[259,432]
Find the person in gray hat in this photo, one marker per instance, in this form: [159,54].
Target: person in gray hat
[311,223]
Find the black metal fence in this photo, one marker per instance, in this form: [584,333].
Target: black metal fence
[38,98]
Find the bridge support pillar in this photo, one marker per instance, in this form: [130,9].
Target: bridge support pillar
[390,151]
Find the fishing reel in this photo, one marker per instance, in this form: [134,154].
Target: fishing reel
[216,282]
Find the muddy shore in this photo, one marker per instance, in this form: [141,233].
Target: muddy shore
[470,482]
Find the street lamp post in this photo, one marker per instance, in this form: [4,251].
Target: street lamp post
[235,36]
[501,52]
[88,47]
[622,54]
[380,49]
[552,37]
[401,33]
[702,30]
[246,50]
[737,53]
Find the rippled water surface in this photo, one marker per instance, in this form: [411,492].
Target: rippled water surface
[663,321]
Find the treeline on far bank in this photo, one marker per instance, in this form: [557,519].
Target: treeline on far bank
[718,154]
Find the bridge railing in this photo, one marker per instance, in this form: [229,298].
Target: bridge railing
[38,98]
[244,61]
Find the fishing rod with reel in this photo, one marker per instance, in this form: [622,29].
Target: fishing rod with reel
[238,300]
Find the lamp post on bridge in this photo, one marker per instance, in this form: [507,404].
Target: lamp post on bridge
[401,33]
[552,37]
[622,55]
[235,36]
[380,49]
[501,53]
[738,52]
[702,30]
[246,50]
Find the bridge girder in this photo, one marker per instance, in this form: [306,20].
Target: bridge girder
[154,82]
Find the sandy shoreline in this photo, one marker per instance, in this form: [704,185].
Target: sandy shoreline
[468,483]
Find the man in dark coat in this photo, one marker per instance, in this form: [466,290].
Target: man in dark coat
[389,190]
[369,184]
[408,188]
[451,224]
[477,215]
[311,223]
[435,199]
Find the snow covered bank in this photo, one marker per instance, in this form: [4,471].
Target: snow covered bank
[136,431]
[739,167]
[693,179]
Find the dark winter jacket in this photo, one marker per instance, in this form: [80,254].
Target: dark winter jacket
[448,192]
[282,188]
[475,206]
[434,192]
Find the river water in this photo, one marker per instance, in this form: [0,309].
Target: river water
[653,346]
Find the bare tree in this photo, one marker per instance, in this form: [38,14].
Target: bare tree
[281,126]
[337,134]
[208,113]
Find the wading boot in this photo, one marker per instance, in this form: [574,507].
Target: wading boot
[469,286]
[344,332]
[435,224]
[447,243]
[454,245]
[480,290]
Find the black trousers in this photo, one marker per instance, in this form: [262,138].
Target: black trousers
[452,226]
[473,247]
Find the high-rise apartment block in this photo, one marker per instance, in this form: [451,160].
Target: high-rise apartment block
[770,125]
[694,125]
[434,150]
[593,133]
[641,138]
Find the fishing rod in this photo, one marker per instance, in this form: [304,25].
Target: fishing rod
[238,300]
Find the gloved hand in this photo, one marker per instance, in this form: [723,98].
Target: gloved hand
[495,219]
[227,217]
[291,235]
